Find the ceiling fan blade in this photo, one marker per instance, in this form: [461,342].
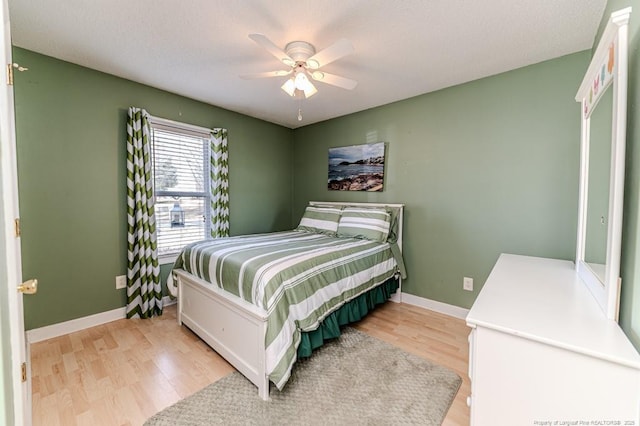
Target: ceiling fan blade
[334,80]
[279,73]
[270,47]
[339,49]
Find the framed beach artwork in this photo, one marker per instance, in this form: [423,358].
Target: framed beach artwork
[356,167]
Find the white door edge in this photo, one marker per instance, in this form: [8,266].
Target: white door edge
[20,389]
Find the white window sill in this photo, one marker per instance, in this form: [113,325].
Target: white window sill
[167,259]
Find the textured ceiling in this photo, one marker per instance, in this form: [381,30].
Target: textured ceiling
[403,48]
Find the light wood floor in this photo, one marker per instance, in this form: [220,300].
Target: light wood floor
[123,372]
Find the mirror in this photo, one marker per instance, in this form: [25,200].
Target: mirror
[603,98]
[597,196]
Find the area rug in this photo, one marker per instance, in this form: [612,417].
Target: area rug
[354,380]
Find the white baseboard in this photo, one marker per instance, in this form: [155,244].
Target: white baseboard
[434,305]
[62,328]
[168,301]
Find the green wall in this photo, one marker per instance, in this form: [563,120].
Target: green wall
[70,125]
[485,167]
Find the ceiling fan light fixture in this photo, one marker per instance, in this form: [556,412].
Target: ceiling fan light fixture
[301,80]
[310,90]
[299,86]
[289,86]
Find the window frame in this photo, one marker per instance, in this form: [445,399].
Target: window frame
[186,129]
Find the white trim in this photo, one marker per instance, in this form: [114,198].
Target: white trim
[612,50]
[197,131]
[16,395]
[434,305]
[62,328]
[78,324]
[168,301]
[168,259]
[342,203]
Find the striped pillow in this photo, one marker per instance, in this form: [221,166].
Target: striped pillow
[371,224]
[323,220]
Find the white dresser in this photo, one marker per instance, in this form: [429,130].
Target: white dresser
[543,353]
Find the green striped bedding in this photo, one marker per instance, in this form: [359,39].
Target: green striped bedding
[372,224]
[297,277]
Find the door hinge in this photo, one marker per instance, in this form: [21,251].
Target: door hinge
[10,68]
[9,74]
[23,368]
[17,227]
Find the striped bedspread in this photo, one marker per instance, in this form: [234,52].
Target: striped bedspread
[297,277]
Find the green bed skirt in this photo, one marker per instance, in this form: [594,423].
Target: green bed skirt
[352,311]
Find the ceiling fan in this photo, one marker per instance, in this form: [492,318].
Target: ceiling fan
[304,64]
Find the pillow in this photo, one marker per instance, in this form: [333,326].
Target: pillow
[323,220]
[369,223]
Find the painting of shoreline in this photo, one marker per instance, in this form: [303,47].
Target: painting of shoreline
[356,167]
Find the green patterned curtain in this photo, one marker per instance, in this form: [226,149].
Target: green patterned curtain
[219,184]
[144,294]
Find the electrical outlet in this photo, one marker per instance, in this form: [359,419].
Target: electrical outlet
[121,281]
[467,283]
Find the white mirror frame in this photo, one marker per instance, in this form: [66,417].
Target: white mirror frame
[608,67]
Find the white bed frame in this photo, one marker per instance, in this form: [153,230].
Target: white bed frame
[234,328]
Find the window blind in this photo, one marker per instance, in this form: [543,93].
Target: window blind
[181,169]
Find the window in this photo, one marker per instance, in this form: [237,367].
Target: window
[181,173]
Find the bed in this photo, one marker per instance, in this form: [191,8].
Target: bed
[253,298]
